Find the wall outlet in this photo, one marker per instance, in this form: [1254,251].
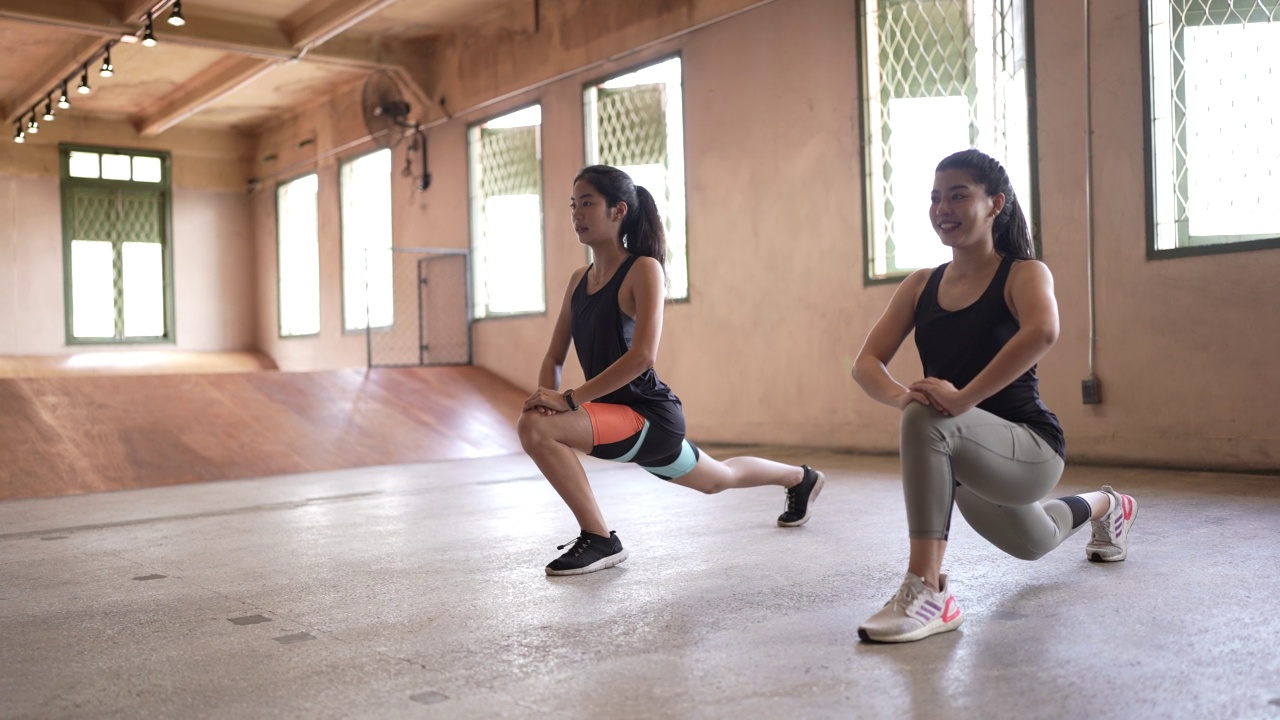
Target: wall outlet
[1090,391]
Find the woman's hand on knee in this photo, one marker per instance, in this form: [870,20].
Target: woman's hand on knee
[942,395]
[915,396]
[546,401]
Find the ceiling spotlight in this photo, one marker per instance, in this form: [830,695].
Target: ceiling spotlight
[149,37]
[63,102]
[33,127]
[19,136]
[48,110]
[175,17]
[84,82]
[107,69]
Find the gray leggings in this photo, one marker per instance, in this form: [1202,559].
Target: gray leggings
[996,471]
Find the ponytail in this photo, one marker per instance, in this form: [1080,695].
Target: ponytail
[642,230]
[1009,231]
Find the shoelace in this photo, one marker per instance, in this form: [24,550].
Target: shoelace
[905,596]
[579,544]
[793,498]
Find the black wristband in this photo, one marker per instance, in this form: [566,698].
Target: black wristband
[568,398]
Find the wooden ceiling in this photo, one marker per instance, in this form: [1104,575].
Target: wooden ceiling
[235,64]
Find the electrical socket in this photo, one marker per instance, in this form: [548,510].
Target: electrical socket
[1090,391]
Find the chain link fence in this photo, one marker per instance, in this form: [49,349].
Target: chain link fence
[428,321]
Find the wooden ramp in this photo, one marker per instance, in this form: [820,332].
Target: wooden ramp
[68,435]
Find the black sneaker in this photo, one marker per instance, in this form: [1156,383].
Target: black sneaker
[589,553]
[800,498]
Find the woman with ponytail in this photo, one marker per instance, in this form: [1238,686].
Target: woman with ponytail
[974,432]
[612,313]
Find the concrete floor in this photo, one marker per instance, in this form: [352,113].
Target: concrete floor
[418,592]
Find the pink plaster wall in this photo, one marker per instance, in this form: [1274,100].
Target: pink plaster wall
[778,308]
[213,264]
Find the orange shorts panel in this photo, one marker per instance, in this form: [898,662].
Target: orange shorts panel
[612,423]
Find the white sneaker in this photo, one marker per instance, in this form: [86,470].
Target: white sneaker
[1110,541]
[915,613]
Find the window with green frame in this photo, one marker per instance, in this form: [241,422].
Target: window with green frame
[117,245]
[1212,136]
[635,122]
[939,76]
[505,169]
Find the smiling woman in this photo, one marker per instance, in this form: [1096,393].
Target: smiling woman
[974,432]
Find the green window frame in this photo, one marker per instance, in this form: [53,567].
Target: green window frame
[117,245]
[634,120]
[932,84]
[508,247]
[1211,140]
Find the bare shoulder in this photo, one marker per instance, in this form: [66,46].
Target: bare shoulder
[1030,271]
[911,288]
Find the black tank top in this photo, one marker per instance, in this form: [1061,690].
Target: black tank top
[956,346]
[601,334]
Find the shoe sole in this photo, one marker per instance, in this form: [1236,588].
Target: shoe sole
[920,634]
[1097,557]
[601,564]
[813,497]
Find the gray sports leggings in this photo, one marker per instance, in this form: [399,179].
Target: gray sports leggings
[994,470]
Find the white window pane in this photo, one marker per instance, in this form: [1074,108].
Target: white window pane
[84,164]
[299,257]
[146,169]
[92,290]
[366,241]
[512,247]
[666,184]
[1232,138]
[521,118]
[143,290]
[667,72]
[116,167]
[925,130]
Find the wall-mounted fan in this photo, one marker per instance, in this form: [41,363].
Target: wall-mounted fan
[386,114]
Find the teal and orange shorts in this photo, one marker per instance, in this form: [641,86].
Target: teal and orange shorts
[623,435]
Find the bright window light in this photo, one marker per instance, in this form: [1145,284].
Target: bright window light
[143,289]
[366,242]
[298,262]
[93,289]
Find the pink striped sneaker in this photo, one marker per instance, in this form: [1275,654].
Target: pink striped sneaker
[1110,541]
[915,613]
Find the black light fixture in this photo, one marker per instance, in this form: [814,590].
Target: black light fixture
[33,127]
[48,110]
[19,136]
[175,16]
[107,69]
[64,102]
[84,88]
[149,37]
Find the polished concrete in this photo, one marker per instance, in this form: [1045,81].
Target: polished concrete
[417,591]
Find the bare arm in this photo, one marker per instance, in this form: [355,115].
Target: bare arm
[643,285]
[558,350]
[1033,304]
[870,369]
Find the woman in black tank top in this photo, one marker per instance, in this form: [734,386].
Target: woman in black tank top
[612,313]
[974,432]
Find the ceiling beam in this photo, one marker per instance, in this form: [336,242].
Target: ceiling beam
[72,57]
[223,77]
[223,32]
[320,20]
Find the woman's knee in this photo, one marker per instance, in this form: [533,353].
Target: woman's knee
[532,429]
[918,427]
